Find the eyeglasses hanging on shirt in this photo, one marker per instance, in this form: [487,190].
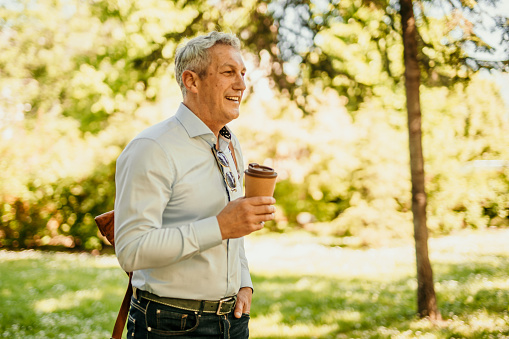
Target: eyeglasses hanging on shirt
[224,165]
[226,171]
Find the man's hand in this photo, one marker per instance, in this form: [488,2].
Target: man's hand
[245,215]
[243,301]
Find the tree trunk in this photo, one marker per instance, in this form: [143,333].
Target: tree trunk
[426,299]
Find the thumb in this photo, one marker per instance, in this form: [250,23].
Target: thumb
[238,309]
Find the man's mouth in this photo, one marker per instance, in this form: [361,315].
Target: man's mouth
[236,99]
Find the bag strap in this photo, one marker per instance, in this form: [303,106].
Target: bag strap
[105,223]
[118,329]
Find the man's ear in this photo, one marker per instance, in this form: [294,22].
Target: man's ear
[190,79]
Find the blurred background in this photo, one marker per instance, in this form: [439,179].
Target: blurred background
[325,107]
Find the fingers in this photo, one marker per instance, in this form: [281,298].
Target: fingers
[261,218]
[243,301]
[245,215]
[264,209]
[262,206]
[256,201]
[238,309]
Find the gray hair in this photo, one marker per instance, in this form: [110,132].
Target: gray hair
[194,54]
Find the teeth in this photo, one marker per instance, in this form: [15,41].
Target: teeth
[233,98]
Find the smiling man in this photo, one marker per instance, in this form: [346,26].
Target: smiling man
[180,210]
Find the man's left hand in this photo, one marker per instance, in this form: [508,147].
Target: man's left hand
[243,301]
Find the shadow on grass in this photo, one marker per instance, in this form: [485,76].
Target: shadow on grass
[350,305]
[59,296]
[77,296]
[480,284]
[364,307]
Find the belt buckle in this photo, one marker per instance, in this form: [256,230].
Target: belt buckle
[218,312]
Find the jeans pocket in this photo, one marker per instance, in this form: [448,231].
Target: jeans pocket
[239,326]
[136,320]
[163,320]
[172,321]
[131,326]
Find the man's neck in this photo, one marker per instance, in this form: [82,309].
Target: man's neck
[207,119]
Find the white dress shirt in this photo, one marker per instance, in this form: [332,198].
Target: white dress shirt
[169,190]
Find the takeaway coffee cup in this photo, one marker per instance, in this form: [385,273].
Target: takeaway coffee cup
[259,180]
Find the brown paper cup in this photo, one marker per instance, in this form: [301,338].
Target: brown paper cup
[259,181]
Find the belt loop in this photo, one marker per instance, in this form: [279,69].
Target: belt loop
[202,306]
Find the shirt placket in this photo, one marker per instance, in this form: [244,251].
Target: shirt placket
[223,146]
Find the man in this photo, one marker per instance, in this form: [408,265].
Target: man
[180,211]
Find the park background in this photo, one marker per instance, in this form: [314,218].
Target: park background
[325,106]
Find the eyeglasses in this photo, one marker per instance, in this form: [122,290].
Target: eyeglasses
[221,159]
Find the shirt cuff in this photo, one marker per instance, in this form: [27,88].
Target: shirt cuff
[208,233]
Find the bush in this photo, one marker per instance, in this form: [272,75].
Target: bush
[59,214]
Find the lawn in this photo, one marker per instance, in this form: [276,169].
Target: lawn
[303,289]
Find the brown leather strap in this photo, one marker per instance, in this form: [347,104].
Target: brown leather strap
[123,312]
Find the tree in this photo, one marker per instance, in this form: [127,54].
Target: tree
[426,299]
[443,63]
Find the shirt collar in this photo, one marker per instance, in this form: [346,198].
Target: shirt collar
[192,124]
[195,127]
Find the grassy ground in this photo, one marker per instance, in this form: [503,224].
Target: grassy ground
[302,290]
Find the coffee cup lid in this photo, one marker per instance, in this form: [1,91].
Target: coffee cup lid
[260,171]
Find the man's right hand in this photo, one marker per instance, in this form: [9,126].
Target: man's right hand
[245,215]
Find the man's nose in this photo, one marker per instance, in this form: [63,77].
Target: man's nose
[240,84]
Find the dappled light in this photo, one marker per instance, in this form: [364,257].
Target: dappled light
[70,293]
[66,300]
[325,106]
[338,139]
[366,300]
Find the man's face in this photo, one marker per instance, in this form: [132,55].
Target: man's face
[220,90]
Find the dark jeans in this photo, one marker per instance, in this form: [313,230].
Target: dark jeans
[149,319]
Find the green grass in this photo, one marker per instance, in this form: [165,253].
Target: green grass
[58,295]
[302,290]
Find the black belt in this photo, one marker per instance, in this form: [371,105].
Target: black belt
[219,307]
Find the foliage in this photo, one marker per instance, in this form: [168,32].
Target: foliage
[66,208]
[303,294]
[351,173]
[79,79]
[470,188]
